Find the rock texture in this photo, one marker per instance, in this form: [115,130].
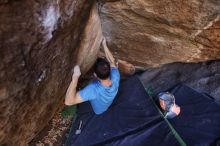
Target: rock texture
[38,43]
[90,41]
[150,33]
[204,77]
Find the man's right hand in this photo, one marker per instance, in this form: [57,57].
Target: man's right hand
[77,71]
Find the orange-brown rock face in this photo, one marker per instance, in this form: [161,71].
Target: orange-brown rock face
[150,33]
[38,48]
[90,41]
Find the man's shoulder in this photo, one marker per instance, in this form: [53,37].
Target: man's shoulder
[92,84]
[115,73]
[88,91]
[114,70]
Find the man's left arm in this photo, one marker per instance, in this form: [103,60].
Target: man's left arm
[108,54]
[73,97]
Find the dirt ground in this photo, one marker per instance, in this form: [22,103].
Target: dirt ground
[55,133]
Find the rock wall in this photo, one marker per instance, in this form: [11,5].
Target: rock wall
[203,76]
[150,33]
[39,43]
[90,41]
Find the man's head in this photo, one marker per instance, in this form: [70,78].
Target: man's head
[102,69]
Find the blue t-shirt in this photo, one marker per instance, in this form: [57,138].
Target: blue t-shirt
[100,96]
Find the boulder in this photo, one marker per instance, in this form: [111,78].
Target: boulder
[151,33]
[202,76]
[39,42]
[91,39]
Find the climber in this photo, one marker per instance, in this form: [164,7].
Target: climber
[100,92]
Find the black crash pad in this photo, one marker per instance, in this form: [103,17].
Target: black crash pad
[134,120]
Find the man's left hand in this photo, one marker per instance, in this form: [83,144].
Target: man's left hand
[76,72]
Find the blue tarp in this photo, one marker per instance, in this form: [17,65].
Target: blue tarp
[134,120]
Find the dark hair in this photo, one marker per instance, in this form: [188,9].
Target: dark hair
[102,68]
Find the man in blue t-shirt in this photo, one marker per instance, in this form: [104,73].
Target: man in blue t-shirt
[100,92]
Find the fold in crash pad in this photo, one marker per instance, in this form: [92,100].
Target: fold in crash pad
[134,120]
[199,121]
